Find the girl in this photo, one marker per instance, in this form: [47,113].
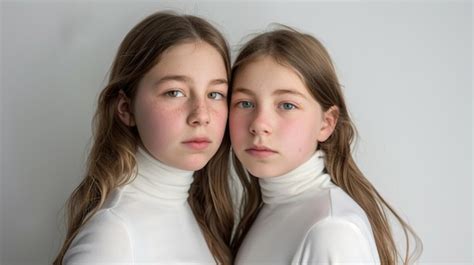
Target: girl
[156,189]
[306,200]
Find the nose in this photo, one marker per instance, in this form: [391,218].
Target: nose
[199,115]
[260,124]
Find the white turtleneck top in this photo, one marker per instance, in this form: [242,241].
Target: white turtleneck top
[145,222]
[306,219]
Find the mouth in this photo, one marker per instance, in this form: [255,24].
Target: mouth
[197,143]
[260,151]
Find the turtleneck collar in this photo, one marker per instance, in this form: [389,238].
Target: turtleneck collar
[167,184]
[294,184]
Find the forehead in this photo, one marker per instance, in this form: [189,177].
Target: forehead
[190,57]
[265,75]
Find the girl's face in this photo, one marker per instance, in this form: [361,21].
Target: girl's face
[180,108]
[275,123]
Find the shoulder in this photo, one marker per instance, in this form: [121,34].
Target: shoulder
[343,235]
[336,239]
[335,203]
[342,204]
[104,238]
[343,207]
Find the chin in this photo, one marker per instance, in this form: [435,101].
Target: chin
[191,167]
[261,172]
[193,164]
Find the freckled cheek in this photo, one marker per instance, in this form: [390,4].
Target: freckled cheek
[162,124]
[218,120]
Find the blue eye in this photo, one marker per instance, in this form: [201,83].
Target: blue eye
[174,94]
[216,95]
[287,106]
[245,104]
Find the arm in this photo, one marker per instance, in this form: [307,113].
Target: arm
[104,239]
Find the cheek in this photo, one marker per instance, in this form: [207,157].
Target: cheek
[298,133]
[238,127]
[157,123]
[219,118]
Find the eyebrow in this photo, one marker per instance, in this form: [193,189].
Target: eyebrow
[276,92]
[243,90]
[188,80]
[289,91]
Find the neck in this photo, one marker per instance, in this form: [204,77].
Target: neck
[309,176]
[167,184]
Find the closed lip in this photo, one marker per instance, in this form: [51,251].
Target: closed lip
[260,151]
[260,148]
[197,140]
[197,143]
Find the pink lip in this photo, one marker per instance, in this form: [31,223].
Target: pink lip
[197,143]
[260,151]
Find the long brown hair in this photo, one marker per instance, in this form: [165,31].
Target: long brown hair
[308,57]
[111,161]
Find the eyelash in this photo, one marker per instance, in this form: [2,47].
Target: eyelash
[171,92]
[240,104]
[291,106]
[222,96]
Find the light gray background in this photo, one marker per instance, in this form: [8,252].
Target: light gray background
[406,69]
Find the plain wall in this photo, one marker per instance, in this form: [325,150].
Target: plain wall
[407,74]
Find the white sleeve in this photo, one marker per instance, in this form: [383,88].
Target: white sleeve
[336,241]
[104,239]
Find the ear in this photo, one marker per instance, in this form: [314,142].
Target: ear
[329,121]
[124,109]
